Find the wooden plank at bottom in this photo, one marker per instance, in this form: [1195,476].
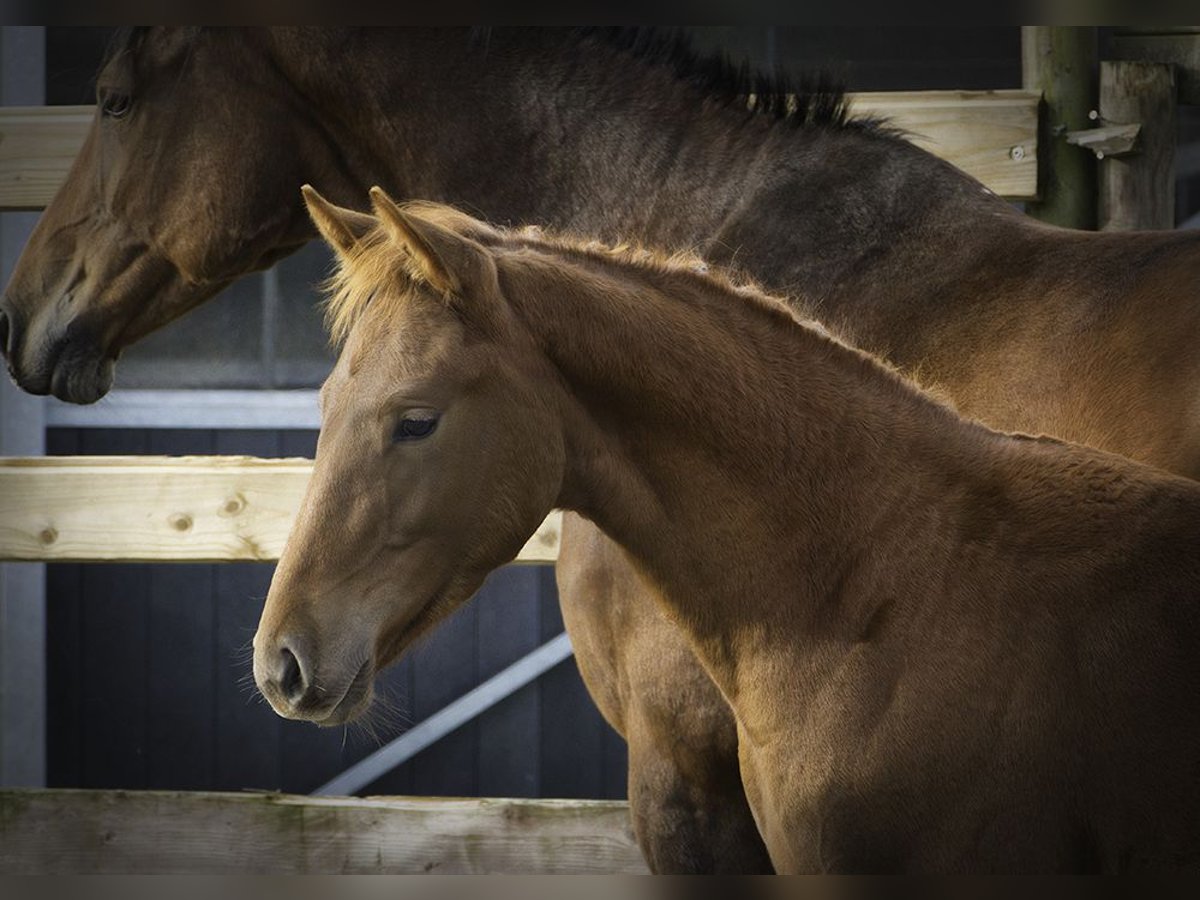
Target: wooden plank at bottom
[163,832]
[164,508]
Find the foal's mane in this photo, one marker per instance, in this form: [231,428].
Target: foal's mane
[379,276]
[378,273]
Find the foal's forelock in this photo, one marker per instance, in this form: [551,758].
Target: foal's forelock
[379,276]
[376,274]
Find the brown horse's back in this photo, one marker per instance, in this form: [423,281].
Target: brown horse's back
[1079,335]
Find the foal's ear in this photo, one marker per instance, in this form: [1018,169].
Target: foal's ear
[342,228]
[442,257]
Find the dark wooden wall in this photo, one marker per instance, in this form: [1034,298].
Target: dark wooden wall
[149,676]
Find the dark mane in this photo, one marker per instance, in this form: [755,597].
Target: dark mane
[812,100]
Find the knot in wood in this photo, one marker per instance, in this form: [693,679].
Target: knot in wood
[233,505]
[180,521]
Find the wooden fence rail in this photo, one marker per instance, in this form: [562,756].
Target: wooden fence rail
[160,508]
[992,135]
[82,832]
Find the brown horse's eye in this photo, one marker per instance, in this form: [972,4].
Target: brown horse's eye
[116,105]
[414,428]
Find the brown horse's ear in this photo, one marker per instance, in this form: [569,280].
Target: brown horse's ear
[440,254]
[342,228]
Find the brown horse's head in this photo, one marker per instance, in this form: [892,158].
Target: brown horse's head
[438,456]
[188,178]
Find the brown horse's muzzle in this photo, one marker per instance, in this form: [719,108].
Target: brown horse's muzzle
[67,361]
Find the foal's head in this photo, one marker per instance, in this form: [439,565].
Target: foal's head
[439,455]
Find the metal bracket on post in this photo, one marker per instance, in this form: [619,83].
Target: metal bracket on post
[1108,139]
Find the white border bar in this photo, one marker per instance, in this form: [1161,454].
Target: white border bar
[191,409]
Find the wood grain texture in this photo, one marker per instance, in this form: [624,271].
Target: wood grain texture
[1178,46]
[991,135]
[162,832]
[1137,191]
[1058,62]
[974,130]
[37,146]
[158,509]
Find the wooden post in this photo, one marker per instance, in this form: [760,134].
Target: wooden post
[22,431]
[1137,191]
[1060,62]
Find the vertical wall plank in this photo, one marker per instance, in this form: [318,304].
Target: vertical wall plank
[444,668]
[115,663]
[22,432]
[181,709]
[509,628]
[1138,191]
[248,752]
[64,653]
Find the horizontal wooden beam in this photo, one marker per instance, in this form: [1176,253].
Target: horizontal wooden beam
[82,832]
[990,134]
[37,146]
[160,509]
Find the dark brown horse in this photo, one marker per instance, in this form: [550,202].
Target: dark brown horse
[190,178]
[947,649]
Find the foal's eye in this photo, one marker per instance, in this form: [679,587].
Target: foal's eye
[115,105]
[413,428]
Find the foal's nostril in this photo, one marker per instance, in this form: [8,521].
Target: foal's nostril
[291,677]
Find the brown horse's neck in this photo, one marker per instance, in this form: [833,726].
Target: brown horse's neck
[700,421]
[510,124]
[543,126]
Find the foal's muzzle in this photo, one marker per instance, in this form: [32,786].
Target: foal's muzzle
[285,672]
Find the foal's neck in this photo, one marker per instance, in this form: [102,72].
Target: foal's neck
[741,458]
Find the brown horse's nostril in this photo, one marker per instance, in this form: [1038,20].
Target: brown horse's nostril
[291,676]
[5,333]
